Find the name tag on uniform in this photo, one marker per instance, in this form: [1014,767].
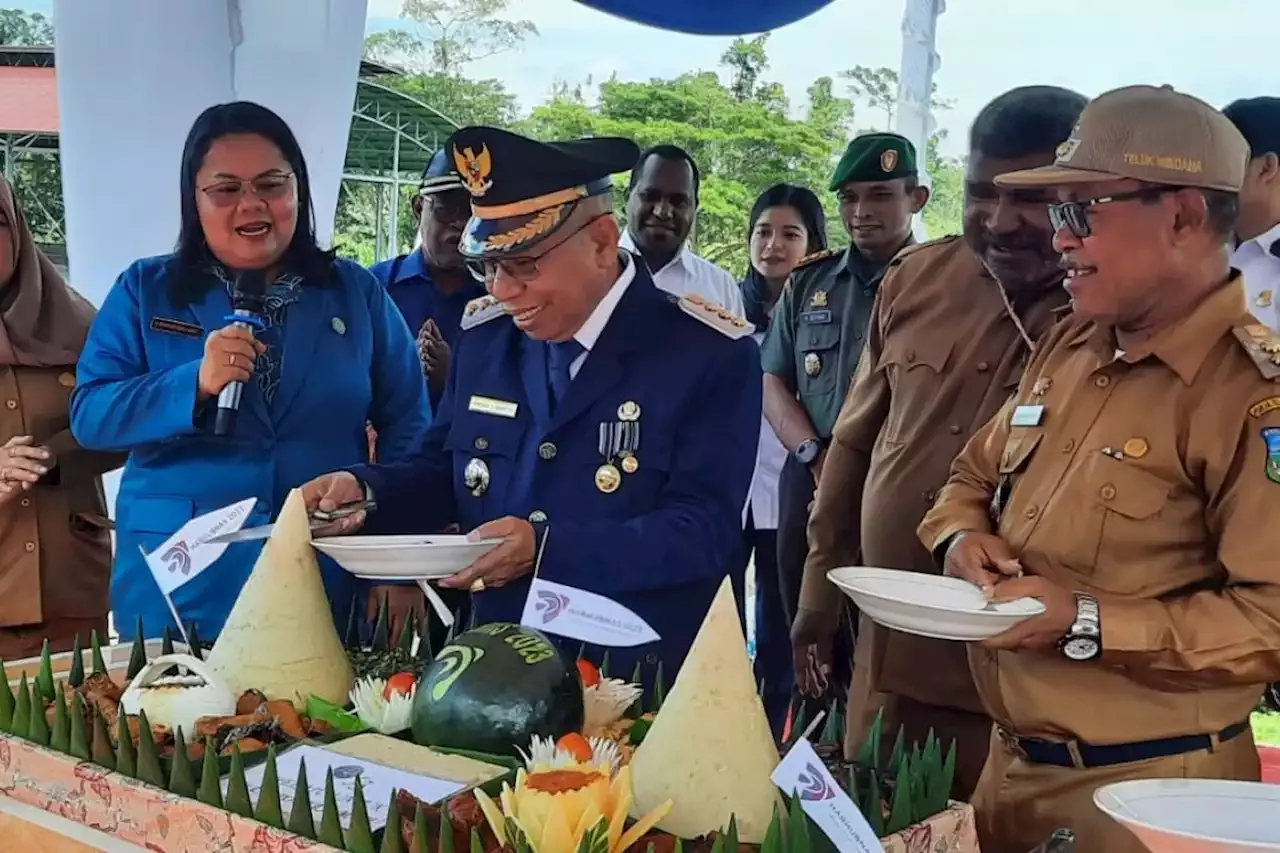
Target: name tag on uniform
[491,406]
[176,327]
[816,317]
[1027,416]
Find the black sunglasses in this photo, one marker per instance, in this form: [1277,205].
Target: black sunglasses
[1074,215]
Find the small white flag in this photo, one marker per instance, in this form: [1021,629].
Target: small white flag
[581,615]
[185,554]
[803,773]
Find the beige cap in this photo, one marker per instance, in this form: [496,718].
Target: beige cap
[1150,134]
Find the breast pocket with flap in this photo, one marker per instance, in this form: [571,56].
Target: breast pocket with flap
[916,371]
[1110,515]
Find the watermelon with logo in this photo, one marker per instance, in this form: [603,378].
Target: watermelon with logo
[493,688]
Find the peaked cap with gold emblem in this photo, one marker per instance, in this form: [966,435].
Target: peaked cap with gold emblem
[523,191]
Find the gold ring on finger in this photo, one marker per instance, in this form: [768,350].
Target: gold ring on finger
[477,585]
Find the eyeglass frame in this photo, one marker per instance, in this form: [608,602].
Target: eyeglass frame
[1061,213]
[527,274]
[285,179]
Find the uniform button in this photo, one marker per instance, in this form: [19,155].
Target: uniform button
[955,429]
[1069,446]
[30,546]
[537,516]
[651,659]
[930,495]
[1102,381]
[26,502]
[1032,511]
[1108,492]
[547,450]
[13,404]
[983,367]
[481,443]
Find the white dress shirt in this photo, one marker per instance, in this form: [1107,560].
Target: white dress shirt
[688,274]
[589,332]
[1257,261]
[762,499]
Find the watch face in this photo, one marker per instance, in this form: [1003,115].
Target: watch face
[1081,648]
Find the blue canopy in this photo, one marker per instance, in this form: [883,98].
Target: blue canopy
[711,17]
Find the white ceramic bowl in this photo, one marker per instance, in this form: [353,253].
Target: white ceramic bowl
[403,557]
[944,608]
[1196,815]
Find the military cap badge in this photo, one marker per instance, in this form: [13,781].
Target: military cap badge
[889,159]
[474,167]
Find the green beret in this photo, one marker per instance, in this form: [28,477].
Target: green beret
[875,157]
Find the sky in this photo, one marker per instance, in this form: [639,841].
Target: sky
[986,46]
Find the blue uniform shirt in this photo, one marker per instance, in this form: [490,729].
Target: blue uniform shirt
[338,353]
[665,539]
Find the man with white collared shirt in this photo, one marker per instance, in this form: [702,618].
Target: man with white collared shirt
[1257,255]
[662,203]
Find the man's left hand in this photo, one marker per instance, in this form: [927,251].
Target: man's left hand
[504,563]
[1039,632]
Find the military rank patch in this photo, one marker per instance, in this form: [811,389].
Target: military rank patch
[716,316]
[1271,435]
[1263,346]
[480,310]
[1261,407]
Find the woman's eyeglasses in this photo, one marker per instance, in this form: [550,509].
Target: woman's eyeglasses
[1074,215]
[272,187]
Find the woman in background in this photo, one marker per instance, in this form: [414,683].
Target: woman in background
[55,548]
[787,223]
[331,353]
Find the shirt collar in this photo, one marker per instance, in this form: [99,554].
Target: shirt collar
[414,265]
[589,332]
[682,254]
[1184,346]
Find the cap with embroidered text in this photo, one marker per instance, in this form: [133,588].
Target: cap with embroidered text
[523,190]
[875,157]
[1146,133]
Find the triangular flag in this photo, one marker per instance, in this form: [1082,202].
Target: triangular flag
[185,554]
[582,615]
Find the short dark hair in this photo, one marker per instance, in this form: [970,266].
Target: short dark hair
[804,202]
[665,152]
[192,254]
[1026,120]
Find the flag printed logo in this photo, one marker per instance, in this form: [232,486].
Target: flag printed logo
[801,771]
[186,553]
[811,786]
[178,558]
[581,615]
[551,604]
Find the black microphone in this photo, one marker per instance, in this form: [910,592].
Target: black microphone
[248,297]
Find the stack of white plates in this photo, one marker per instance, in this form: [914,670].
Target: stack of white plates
[403,557]
[944,608]
[1196,815]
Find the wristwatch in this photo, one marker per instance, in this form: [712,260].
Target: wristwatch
[1084,640]
[807,451]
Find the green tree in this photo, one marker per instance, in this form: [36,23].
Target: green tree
[25,28]
[444,36]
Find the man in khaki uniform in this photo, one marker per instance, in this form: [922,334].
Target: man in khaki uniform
[1132,485]
[943,354]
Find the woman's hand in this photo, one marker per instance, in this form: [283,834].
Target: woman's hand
[22,464]
[229,356]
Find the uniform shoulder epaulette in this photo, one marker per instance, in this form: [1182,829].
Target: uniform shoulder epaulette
[1263,347]
[809,260]
[907,251]
[482,309]
[716,316]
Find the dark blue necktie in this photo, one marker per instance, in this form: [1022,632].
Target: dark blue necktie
[559,356]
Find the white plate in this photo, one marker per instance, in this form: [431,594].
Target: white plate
[1196,815]
[403,557]
[934,606]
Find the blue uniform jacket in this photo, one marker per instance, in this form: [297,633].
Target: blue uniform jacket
[662,543]
[347,356]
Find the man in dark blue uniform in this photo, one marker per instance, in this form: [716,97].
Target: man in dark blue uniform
[431,285]
[589,417]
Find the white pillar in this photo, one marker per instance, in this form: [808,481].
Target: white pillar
[920,60]
[134,74]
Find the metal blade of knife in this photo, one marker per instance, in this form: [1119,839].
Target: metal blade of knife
[318,520]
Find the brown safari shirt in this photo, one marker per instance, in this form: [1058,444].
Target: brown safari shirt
[1152,481]
[942,356]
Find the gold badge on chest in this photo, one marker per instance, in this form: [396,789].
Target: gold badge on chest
[475,476]
[618,445]
[608,478]
[812,364]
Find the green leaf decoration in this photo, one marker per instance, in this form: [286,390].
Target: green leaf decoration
[941,794]
[638,730]
[731,834]
[831,727]
[38,728]
[166,642]
[181,781]
[446,831]
[650,848]
[421,832]
[138,654]
[425,652]
[596,838]
[476,845]
[78,742]
[382,628]
[773,837]
[582,652]
[210,792]
[797,827]
[99,664]
[873,807]
[149,770]
[301,821]
[679,848]
[126,755]
[869,755]
[392,836]
[237,801]
[636,709]
[902,811]
[516,838]
[659,690]
[269,810]
[351,639]
[21,720]
[330,826]
[197,648]
[60,734]
[604,665]
[102,750]
[899,747]
[718,845]
[359,836]
[44,679]
[75,676]
[7,702]
[406,638]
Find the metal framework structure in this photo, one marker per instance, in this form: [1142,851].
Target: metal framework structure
[393,135]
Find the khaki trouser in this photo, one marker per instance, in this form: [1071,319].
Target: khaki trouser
[1019,804]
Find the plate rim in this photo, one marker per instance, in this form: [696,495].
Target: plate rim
[933,607]
[1108,791]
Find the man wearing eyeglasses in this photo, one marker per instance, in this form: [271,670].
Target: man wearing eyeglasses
[430,285]
[603,429]
[1131,486]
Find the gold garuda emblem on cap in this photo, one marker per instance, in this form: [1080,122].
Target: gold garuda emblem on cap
[889,159]
[474,168]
